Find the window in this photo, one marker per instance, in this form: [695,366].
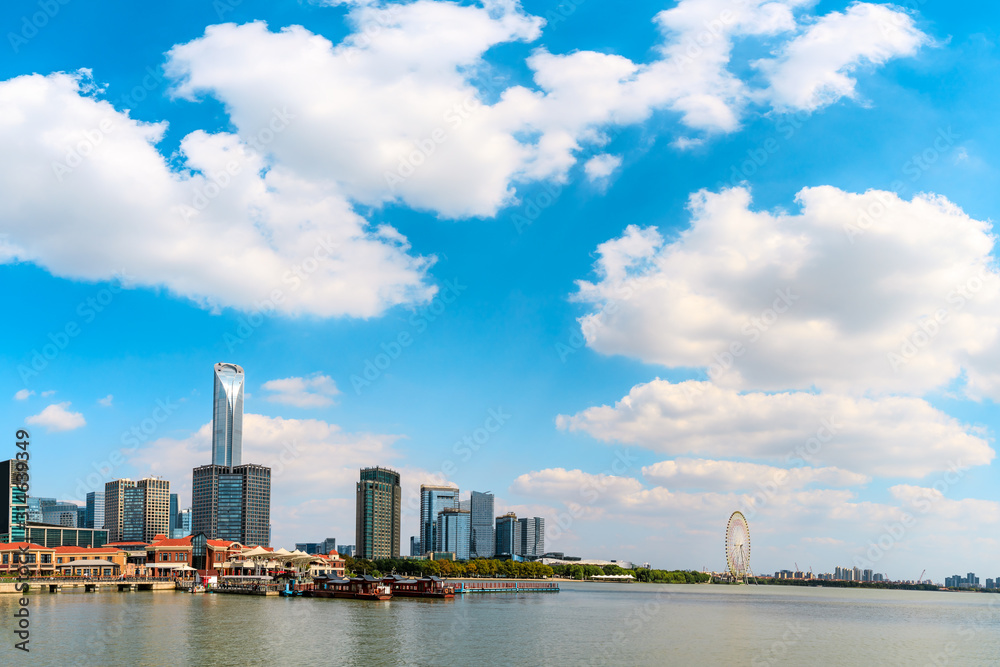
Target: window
[6,558]
[58,560]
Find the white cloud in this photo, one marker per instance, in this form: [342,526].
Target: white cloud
[312,392]
[57,417]
[106,401]
[23,394]
[601,166]
[814,69]
[890,436]
[195,231]
[50,392]
[736,475]
[919,305]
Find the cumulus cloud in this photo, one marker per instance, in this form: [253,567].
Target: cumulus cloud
[601,166]
[106,401]
[57,417]
[316,391]
[23,394]
[84,193]
[738,475]
[762,300]
[890,436]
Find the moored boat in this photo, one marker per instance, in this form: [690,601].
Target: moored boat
[425,587]
[365,587]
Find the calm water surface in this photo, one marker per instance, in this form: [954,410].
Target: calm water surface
[584,624]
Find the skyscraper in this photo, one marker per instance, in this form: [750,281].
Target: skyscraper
[230,500]
[481,539]
[94,517]
[13,501]
[415,548]
[173,514]
[532,542]
[433,499]
[183,524]
[453,532]
[379,501]
[227,416]
[136,511]
[508,529]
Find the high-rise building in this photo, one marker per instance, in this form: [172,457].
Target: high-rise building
[346,550]
[433,499]
[227,416]
[36,508]
[232,503]
[137,511]
[482,540]
[415,548]
[94,515]
[173,514]
[230,500]
[379,501]
[60,513]
[13,501]
[183,524]
[508,534]
[532,542]
[324,547]
[452,533]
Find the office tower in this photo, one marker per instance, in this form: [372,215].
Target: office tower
[540,536]
[232,503]
[37,507]
[94,515]
[452,532]
[182,523]
[415,549]
[230,500]
[482,540]
[136,511]
[13,502]
[60,514]
[379,500]
[81,516]
[227,416]
[346,550]
[173,514]
[328,545]
[508,533]
[433,499]
[526,545]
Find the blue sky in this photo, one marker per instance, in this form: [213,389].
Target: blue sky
[479,185]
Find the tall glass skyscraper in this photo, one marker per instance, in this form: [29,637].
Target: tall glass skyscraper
[508,535]
[482,540]
[173,514]
[230,500]
[379,501]
[433,499]
[227,416]
[453,532]
[94,517]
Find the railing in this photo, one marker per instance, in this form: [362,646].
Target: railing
[96,580]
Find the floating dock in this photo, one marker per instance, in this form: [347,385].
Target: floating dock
[506,587]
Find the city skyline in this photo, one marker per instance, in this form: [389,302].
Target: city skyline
[628,288]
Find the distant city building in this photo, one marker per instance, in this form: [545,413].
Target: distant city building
[433,499]
[182,524]
[532,542]
[990,583]
[452,532]
[346,550]
[482,532]
[94,511]
[36,508]
[230,500]
[61,513]
[324,547]
[13,503]
[379,501]
[174,509]
[415,549]
[136,510]
[508,535]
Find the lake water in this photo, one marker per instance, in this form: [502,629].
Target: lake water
[584,624]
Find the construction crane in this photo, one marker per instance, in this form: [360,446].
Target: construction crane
[922,576]
[796,567]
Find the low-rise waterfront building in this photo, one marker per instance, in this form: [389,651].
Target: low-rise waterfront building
[38,559]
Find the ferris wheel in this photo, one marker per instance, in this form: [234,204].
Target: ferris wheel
[738,547]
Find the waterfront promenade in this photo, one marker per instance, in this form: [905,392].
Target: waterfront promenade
[57,584]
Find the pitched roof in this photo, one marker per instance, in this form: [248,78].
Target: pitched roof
[17,545]
[178,542]
[88,550]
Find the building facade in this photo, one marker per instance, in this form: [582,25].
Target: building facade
[508,534]
[379,502]
[415,547]
[452,534]
[182,523]
[227,415]
[13,501]
[532,540]
[482,538]
[433,499]
[232,503]
[136,511]
[94,512]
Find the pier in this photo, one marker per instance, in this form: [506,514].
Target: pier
[95,584]
[506,587]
